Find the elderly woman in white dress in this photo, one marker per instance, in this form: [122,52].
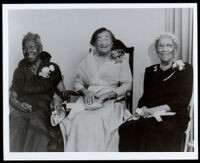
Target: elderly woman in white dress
[104,81]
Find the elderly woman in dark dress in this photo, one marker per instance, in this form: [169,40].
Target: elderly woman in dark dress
[167,90]
[34,84]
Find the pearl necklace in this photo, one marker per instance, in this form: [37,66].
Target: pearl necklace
[165,67]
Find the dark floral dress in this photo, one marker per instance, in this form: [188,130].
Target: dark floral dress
[33,132]
[171,87]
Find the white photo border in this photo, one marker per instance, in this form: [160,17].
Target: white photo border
[93,155]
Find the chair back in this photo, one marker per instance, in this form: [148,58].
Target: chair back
[129,52]
[189,133]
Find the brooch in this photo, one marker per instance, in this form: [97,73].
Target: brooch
[155,68]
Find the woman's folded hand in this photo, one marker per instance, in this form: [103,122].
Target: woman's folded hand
[56,104]
[89,96]
[24,107]
[58,107]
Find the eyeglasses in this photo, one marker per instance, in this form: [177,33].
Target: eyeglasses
[30,48]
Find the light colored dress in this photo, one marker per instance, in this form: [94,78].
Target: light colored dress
[97,130]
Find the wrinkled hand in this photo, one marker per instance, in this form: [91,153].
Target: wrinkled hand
[24,107]
[19,105]
[56,104]
[89,97]
[58,107]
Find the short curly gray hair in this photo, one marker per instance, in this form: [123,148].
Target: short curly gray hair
[36,37]
[171,36]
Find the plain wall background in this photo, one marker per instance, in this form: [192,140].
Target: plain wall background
[66,33]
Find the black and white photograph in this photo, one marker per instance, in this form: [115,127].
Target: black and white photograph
[100,81]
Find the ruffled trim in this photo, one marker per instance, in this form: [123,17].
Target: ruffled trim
[44,56]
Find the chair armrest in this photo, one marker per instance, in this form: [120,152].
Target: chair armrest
[128,95]
[73,93]
[66,95]
[128,98]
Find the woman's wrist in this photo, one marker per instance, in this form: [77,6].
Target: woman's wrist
[15,102]
[18,104]
[13,99]
[84,91]
[57,99]
[113,94]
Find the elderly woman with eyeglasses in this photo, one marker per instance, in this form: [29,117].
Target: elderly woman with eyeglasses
[161,118]
[36,84]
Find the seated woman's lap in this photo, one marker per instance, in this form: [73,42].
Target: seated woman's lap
[88,118]
[97,126]
[150,135]
[34,128]
[168,123]
[106,113]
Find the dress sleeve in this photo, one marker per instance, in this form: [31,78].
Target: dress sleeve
[18,81]
[184,91]
[142,100]
[56,75]
[125,79]
[79,80]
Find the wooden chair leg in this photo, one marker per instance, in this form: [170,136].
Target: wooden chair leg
[187,138]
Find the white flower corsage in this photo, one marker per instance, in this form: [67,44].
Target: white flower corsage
[45,72]
[180,65]
[118,55]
